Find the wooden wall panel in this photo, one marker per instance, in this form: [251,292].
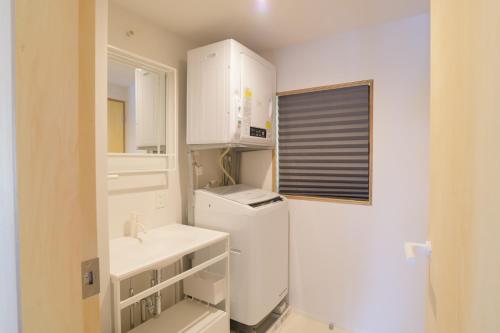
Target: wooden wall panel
[55,162]
[464,278]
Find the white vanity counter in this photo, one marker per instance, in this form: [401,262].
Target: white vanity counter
[161,247]
[157,247]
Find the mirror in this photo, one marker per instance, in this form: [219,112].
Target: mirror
[137,105]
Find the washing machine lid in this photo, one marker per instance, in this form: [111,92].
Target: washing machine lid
[244,194]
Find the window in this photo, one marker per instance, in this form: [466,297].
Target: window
[325,142]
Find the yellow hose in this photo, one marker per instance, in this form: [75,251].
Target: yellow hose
[221,165]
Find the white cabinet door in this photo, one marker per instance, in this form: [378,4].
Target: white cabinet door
[258,95]
[148,106]
[207,94]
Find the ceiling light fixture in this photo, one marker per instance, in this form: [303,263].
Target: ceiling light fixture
[262,6]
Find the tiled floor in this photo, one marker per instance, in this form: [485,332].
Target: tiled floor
[298,323]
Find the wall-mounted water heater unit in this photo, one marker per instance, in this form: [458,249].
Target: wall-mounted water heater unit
[230,96]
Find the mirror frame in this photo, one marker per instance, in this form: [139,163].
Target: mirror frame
[171,96]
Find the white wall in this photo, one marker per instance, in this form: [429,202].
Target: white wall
[9,320]
[347,263]
[118,92]
[256,169]
[112,23]
[152,42]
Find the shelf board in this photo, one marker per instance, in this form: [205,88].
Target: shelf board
[187,316]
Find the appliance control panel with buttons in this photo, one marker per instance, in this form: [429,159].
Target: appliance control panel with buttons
[258,132]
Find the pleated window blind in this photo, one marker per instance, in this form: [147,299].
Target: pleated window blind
[325,142]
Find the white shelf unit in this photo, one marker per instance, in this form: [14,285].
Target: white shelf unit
[158,248]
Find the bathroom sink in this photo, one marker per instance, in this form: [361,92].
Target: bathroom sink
[157,248]
[125,242]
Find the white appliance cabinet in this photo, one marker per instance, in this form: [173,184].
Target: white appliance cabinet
[231,96]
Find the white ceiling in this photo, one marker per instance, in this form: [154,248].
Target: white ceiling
[269,24]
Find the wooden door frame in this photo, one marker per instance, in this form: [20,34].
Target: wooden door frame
[55,102]
[124,120]
[9,302]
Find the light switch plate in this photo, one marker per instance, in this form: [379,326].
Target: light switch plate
[90,278]
[161,198]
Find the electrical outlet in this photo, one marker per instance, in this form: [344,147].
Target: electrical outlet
[161,198]
[199,170]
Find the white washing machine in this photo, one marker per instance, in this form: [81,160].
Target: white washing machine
[257,221]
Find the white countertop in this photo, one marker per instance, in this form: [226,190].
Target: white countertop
[160,247]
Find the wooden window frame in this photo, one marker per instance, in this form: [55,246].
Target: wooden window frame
[274,166]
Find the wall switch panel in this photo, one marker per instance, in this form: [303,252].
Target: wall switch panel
[199,171]
[161,200]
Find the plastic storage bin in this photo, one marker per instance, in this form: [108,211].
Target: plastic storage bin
[206,286]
